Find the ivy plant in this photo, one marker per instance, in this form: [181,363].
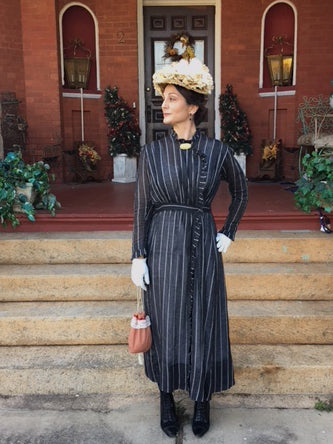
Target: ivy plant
[315,187]
[16,174]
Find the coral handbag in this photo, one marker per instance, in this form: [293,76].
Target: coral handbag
[139,340]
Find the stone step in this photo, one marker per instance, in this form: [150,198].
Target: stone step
[66,282]
[115,247]
[107,322]
[111,370]
[75,282]
[266,281]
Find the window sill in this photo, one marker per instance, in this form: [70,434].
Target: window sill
[281,91]
[72,94]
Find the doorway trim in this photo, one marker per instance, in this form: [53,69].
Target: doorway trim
[141,54]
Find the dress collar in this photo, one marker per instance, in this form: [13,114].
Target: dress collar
[174,135]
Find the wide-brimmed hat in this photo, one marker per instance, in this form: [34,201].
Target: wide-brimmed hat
[186,70]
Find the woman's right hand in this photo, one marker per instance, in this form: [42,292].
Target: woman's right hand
[222,242]
[140,273]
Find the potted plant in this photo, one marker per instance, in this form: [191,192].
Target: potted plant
[123,134]
[88,156]
[315,187]
[269,166]
[24,188]
[235,126]
[86,161]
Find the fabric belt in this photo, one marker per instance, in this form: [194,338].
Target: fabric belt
[182,207]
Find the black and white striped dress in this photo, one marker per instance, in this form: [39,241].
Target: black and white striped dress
[175,230]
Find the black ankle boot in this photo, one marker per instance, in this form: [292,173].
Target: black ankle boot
[200,422]
[169,421]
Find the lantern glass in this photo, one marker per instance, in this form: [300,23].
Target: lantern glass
[275,69]
[77,72]
[287,69]
[280,69]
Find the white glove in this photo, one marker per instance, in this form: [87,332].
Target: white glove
[222,242]
[140,273]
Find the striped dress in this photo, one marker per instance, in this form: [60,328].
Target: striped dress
[174,229]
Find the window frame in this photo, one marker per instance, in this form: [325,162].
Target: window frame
[268,91]
[61,14]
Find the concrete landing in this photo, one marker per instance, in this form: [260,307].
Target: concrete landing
[139,424]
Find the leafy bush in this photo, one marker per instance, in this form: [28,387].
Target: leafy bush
[16,174]
[234,123]
[123,129]
[315,187]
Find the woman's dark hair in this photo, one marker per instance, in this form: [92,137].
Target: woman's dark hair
[194,98]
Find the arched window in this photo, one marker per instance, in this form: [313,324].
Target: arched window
[79,47]
[279,34]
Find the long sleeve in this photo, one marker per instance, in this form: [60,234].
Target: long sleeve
[232,173]
[142,205]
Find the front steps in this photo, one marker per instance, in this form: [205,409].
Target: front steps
[66,300]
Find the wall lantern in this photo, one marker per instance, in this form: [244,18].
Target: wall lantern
[279,65]
[77,69]
[280,69]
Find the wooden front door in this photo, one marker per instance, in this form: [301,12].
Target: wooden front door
[159,24]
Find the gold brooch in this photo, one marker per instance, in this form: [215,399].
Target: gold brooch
[185,146]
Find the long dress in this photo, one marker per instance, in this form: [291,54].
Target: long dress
[175,230]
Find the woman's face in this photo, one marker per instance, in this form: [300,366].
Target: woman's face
[175,108]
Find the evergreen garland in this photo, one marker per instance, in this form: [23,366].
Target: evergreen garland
[234,123]
[123,129]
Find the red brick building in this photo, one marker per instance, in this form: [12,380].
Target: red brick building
[124,39]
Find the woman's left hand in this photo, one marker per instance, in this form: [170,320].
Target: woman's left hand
[222,242]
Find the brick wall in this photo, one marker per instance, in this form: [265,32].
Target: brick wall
[40,55]
[315,54]
[11,57]
[240,52]
[118,66]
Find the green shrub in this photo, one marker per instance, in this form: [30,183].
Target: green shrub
[315,187]
[14,173]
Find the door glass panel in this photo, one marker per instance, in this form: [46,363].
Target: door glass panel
[159,46]
[199,50]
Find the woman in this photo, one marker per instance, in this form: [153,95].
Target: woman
[175,256]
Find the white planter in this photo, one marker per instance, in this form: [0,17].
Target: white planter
[124,169]
[28,192]
[241,159]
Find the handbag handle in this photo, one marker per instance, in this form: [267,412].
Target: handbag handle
[139,299]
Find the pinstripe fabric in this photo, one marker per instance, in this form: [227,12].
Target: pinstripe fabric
[186,299]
